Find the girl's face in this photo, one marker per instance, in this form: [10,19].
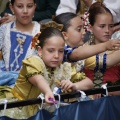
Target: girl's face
[52,51]
[103,28]
[23,10]
[75,33]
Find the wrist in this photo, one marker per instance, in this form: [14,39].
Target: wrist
[75,86]
[105,46]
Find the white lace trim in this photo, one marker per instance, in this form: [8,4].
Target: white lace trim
[6,43]
[63,72]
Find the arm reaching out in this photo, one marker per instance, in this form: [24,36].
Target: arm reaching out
[84,84]
[90,50]
[40,82]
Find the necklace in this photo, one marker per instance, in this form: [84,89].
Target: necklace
[62,72]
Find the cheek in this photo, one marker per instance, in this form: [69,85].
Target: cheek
[97,32]
[61,56]
[32,13]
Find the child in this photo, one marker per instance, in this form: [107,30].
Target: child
[39,73]
[101,23]
[74,34]
[15,39]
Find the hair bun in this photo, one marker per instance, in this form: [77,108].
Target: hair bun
[51,24]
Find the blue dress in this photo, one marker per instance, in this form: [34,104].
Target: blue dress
[15,47]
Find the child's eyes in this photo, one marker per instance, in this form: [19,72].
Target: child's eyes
[111,26]
[61,51]
[102,26]
[79,29]
[50,51]
[21,6]
[30,6]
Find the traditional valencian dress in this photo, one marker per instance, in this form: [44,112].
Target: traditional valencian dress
[99,73]
[15,46]
[23,89]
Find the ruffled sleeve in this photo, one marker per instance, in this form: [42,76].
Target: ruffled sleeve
[90,63]
[33,66]
[23,89]
[67,52]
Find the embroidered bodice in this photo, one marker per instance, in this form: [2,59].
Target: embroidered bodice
[15,45]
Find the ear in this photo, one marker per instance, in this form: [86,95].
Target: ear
[39,51]
[35,5]
[11,8]
[65,35]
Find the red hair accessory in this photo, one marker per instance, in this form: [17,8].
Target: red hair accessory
[85,20]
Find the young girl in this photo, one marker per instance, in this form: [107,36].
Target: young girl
[40,73]
[72,32]
[15,39]
[101,21]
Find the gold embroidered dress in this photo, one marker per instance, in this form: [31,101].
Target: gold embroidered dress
[23,89]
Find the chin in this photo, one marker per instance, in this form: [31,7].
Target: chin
[53,66]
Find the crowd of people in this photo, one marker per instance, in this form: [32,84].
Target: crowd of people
[35,55]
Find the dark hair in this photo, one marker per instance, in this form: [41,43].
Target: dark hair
[47,33]
[65,19]
[12,1]
[96,9]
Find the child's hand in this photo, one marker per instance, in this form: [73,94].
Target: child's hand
[67,85]
[49,95]
[113,45]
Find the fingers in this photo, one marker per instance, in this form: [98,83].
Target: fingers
[66,85]
[7,19]
[3,20]
[49,98]
[115,44]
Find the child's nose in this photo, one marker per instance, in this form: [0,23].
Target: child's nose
[56,54]
[25,9]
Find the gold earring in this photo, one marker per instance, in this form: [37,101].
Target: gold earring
[91,39]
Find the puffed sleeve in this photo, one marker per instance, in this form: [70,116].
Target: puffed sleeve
[32,66]
[90,63]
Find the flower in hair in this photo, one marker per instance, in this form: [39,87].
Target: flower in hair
[35,40]
[85,21]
